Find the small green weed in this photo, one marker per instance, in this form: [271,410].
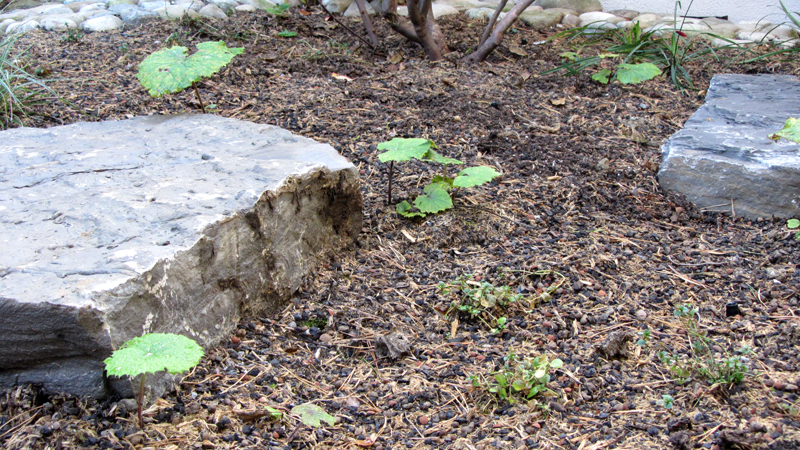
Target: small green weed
[644,338]
[287,34]
[518,378]
[479,300]
[794,224]
[666,401]
[436,197]
[72,36]
[701,363]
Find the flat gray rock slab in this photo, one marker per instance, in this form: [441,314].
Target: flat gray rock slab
[176,224]
[723,159]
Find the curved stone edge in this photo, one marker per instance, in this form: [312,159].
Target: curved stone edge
[248,264]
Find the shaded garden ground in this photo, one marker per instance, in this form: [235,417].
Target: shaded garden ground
[577,225]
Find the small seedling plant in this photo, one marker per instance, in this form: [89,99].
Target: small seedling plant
[475,300]
[170,70]
[701,362]
[151,353]
[437,194]
[794,224]
[518,378]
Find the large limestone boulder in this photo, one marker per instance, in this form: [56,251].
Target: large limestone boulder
[176,224]
[723,156]
[581,6]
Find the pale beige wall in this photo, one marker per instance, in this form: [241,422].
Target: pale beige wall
[736,10]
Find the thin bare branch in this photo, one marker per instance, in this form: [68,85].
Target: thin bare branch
[496,38]
[492,21]
[362,8]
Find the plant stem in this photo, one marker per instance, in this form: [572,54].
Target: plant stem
[197,93]
[141,398]
[391,166]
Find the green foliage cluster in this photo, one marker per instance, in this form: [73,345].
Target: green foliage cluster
[518,378]
[436,197]
[646,53]
[479,300]
[19,89]
[701,363]
[790,49]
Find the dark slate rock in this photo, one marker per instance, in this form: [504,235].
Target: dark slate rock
[723,159]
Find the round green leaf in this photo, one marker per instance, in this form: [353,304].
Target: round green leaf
[475,176]
[636,73]
[793,223]
[152,353]
[790,131]
[436,199]
[404,149]
[167,71]
[313,415]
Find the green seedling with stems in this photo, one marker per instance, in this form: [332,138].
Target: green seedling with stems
[701,362]
[436,197]
[518,378]
[151,353]
[170,70]
[479,300]
[666,401]
[644,338]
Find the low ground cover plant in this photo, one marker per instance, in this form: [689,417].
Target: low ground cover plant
[436,197]
[518,378]
[701,362]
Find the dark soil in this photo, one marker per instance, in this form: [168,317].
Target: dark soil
[578,218]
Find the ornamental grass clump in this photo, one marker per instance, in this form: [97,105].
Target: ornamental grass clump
[19,90]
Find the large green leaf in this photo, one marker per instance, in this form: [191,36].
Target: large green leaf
[636,73]
[475,176]
[435,199]
[439,158]
[167,71]
[152,353]
[313,415]
[790,131]
[404,149]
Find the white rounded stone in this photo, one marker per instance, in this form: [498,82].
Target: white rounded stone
[176,12]
[479,13]
[245,8]
[57,23]
[645,20]
[22,27]
[214,11]
[102,23]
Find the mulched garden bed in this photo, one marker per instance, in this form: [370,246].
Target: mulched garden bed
[577,225]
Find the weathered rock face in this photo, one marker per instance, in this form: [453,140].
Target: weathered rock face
[156,224]
[723,156]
